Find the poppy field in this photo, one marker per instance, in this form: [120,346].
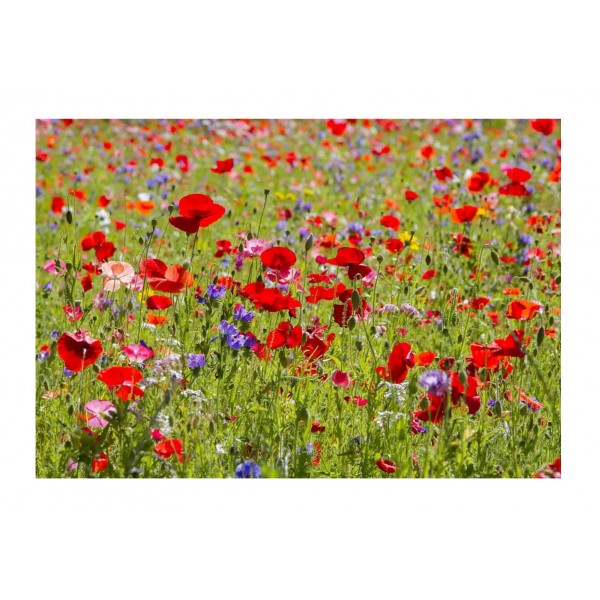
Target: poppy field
[336,298]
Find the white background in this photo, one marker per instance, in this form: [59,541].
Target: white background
[299,539]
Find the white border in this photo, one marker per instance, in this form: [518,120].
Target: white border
[284,539]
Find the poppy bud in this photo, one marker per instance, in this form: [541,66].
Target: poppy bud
[308,244]
[355,300]
[540,336]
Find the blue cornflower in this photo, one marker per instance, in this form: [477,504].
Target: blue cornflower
[228,329]
[215,292]
[241,314]
[68,372]
[48,287]
[436,382]
[196,361]
[526,240]
[247,470]
[55,334]
[236,342]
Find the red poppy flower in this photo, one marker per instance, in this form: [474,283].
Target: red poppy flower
[317,427]
[182,162]
[446,363]
[100,464]
[224,247]
[285,334]
[78,350]
[270,299]
[424,359]
[428,274]
[58,204]
[464,214]
[523,310]
[514,188]
[518,175]
[158,302]
[161,278]
[166,448]
[223,166]
[319,292]
[390,221]
[196,210]
[543,126]
[410,195]
[343,312]
[394,245]
[511,345]
[103,201]
[483,356]
[552,471]
[434,412]
[462,244]
[156,319]
[427,152]
[97,241]
[400,361]
[336,126]
[124,379]
[347,256]
[477,182]
[86,283]
[380,149]
[479,303]
[443,173]
[278,257]
[386,465]
[315,347]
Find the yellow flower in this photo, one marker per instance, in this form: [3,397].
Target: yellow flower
[308,192]
[482,212]
[407,237]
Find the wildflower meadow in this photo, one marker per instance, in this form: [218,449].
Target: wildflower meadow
[336,298]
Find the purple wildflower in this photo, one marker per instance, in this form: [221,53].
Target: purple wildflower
[435,382]
[196,361]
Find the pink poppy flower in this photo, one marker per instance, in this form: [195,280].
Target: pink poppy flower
[255,247]
[99,409]
[50,267]
[138,353]
[340,379]
[117,273]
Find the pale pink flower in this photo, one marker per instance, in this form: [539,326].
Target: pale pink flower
[329,217]
[138,353]
[340,379]
[369,280]
[117,273]
[99,408]
[255,247]
[50,267]
[136,284]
